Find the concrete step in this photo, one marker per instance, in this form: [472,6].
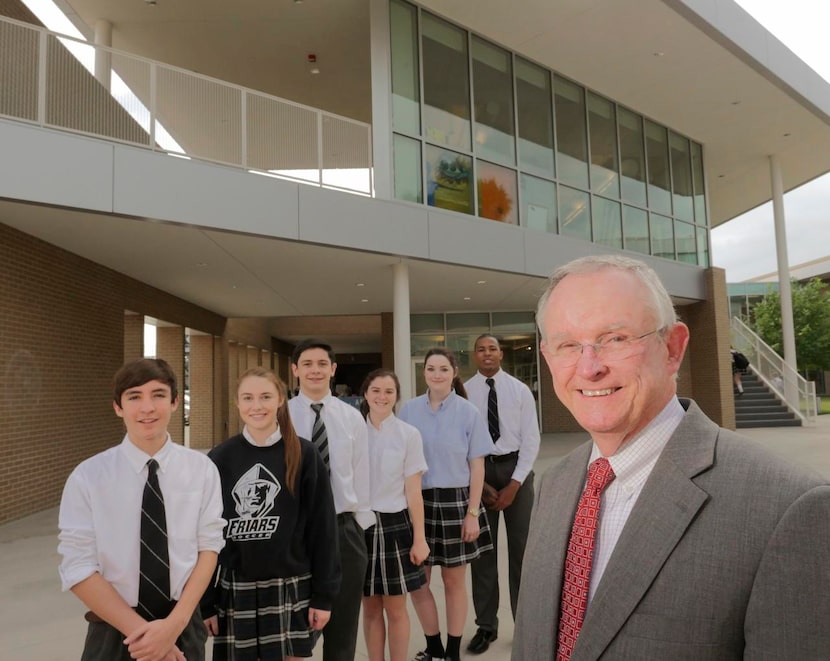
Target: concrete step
[747,424]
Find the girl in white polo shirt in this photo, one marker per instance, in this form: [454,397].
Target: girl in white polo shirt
[396,544]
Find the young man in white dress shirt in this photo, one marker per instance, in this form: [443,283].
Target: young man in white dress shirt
[100,538]
[313,364]
[508,481]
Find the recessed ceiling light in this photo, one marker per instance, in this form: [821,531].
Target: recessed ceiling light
[787,135]
[736,103]
[466,298]
[314,71]
[201,265]
[658,53]
[360,284]
[364,300]
[481,282]
[721,176]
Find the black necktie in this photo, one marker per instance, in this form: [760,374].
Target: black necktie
[493,411]
[319,436]
[154,570]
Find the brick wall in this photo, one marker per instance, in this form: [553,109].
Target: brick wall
[61,342]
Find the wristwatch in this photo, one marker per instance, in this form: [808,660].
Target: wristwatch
[474,511]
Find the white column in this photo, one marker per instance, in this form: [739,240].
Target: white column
[787,326]
[381,62]
[103,58]
[400,326]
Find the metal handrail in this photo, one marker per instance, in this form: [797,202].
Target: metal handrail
[798,394]
[48,79]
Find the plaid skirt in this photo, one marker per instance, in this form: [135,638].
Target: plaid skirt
[390,571]
[444,512]
[266,620]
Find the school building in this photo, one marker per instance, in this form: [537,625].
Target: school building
[384,174]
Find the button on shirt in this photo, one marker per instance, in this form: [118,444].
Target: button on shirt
[632,465]
[518,423]
[100,517]
[452,435]
[395,453]
[348,452]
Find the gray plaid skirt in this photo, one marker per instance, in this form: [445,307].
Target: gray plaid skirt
[444,512]
[266,620]
[390,571]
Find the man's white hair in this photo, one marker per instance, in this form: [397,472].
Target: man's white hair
[660,302]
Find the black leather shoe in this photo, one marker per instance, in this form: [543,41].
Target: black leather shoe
[481,641]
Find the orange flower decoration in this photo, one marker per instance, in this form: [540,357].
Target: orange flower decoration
[493,201]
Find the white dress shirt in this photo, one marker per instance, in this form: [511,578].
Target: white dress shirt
[518,422]
[632,464]
[348,452]
[100,515]
[396,452]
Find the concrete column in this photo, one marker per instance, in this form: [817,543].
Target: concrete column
[787,325]
[103,58]
[201,391]
[381,63]
[253,357]
[220,390]
[401,332]
[235,353]
[170,347]
[133,336]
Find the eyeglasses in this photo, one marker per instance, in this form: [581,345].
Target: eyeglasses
[610,347]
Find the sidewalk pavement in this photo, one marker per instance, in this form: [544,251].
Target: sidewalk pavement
[40,623]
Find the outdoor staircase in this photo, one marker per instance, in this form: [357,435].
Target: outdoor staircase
[759,407]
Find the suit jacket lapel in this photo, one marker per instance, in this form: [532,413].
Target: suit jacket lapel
[665,508]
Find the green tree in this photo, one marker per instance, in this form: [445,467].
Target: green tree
[811,319]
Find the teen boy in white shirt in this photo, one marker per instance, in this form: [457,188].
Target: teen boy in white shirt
[99,522]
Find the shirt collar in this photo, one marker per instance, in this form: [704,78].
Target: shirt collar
[138,458]
[271,440]
[644,449]
[307,401]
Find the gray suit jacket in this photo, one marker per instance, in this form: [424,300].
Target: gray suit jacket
[726,555]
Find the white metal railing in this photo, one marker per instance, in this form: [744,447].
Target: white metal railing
[49,80]
[793,389]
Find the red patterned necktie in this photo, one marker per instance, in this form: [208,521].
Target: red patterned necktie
[578,561]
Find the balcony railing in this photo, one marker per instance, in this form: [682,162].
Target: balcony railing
[49,79]
[792,388]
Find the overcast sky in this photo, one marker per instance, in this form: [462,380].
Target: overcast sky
[745,246]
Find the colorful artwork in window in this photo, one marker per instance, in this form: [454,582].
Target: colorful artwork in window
[449,176]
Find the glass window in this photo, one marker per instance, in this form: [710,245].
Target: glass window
[449,180]
[446,84]
[657,151]
[538,203]
[514,321]
[493,93]
[684,239]
[574,213]
[602,131]
[408,180]
[662,236]
[635,230]
[520,358]
[497,193]
[533,98]
[698,186]
[702,247]
[681,175]
[471,322]
[426,323]
[420,344]
[405,90]
[607,223]
[572,150]
[632,157]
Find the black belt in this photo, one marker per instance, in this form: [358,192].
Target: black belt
[499,458]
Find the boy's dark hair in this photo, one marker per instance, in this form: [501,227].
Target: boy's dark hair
[138,372]
[487,335]
[311,343]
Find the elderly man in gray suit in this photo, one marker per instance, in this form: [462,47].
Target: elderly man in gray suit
[665,537]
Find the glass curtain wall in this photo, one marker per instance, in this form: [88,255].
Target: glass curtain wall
[480,130]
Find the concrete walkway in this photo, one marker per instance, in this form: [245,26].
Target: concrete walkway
[41,623]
